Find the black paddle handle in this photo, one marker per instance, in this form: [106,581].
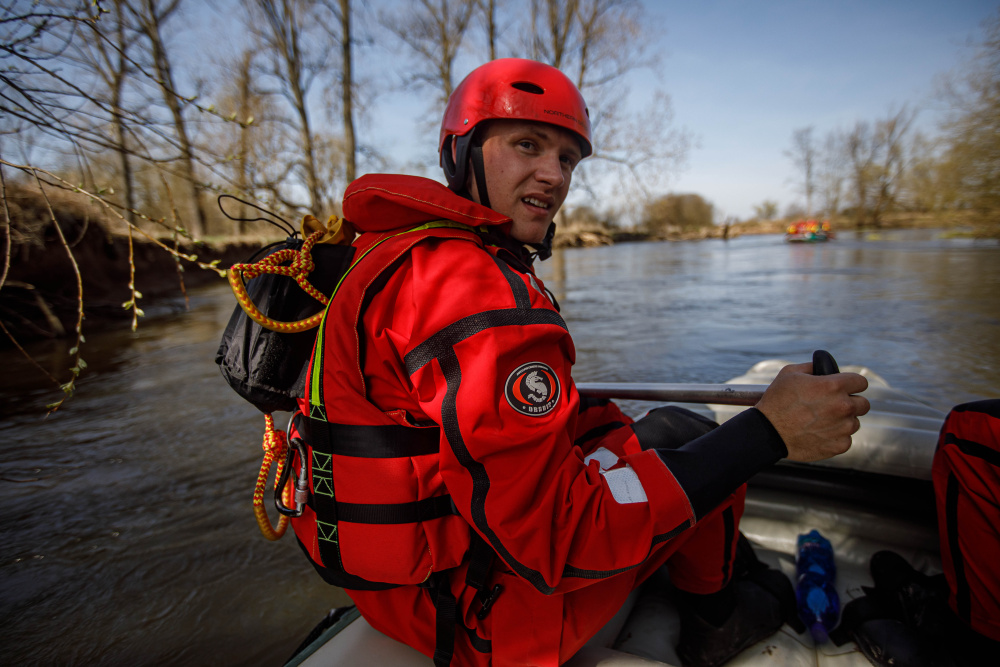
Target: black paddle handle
[824,363]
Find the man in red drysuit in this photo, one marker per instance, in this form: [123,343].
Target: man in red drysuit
[442,338]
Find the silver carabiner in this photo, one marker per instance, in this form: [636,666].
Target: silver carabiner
[301,482]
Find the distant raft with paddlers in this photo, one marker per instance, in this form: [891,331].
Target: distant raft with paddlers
[809,231]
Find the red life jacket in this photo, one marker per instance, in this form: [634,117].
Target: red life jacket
[387,520]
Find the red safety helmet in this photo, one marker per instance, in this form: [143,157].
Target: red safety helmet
[511,88]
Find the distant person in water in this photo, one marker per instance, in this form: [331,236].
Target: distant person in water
[473,504]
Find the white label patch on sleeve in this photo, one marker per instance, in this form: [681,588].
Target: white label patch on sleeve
[604,456]
[625,485]
[623,482]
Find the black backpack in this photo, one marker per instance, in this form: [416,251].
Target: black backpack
[267,366]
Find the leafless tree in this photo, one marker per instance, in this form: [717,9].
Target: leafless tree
[598,43]
[971,163]
[803,154]
[347,90]
[107,57]
[831,176]
[552,24]
[889,137]
[766,210]
[48,95]
[434,31]
[859,148]
[876,158]
[250,150]
[921,187]
[489,15]
[151,15]
[297,51]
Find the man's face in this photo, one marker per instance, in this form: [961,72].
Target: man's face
[528,170]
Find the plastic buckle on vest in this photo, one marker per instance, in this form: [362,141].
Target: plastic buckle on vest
[490,598]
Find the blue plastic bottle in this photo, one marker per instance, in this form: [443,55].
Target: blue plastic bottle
[818,603]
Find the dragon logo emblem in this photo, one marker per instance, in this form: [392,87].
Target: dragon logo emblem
[532,389]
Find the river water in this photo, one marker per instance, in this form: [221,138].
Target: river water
[126,531]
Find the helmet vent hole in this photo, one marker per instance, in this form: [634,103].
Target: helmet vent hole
[528,87]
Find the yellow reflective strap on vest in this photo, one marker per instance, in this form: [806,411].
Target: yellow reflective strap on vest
[317,409]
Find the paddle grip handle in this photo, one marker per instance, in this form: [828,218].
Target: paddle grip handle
[824,363]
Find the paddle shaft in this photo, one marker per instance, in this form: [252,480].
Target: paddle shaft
[725,394]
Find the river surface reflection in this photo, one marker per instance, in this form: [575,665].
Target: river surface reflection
[126,533]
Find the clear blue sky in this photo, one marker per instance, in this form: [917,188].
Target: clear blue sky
[744,75]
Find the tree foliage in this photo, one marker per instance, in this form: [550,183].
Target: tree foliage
[971,161]
[676,212]
[861,169]
[766,210]
[803,154]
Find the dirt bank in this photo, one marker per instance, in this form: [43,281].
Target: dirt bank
[40,296]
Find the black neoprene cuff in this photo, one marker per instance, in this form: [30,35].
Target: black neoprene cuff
[714,465]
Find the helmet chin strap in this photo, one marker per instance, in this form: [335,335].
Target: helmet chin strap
[543,250]
[479,169]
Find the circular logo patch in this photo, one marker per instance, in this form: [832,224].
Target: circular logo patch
[532,389]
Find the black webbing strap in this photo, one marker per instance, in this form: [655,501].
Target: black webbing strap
[371,442]
[412,512]
[963,594]
[480,560]
[446,621]
[479,169]
[481,557]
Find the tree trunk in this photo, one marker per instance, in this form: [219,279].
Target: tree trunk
[117,82]
[242,177]
[163,71]
[347,92]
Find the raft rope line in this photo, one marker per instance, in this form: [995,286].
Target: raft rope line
[301,266]
[275,446]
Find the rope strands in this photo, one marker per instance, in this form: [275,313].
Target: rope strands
[275,445]
[300,266]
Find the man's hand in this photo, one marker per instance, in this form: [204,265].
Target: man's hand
[814,415]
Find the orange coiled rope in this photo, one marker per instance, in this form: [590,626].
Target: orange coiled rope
[301,266]
[275,446]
